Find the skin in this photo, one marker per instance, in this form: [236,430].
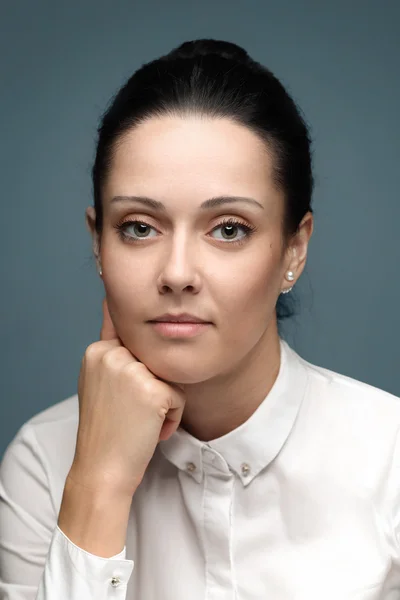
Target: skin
[182,263]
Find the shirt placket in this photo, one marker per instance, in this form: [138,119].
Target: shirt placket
[217,519]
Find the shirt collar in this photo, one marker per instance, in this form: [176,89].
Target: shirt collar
[253,445]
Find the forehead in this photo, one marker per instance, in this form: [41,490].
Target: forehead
[193,155]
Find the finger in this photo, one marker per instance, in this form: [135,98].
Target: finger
[107,329]
[171,383]
[181,386]
[172,421]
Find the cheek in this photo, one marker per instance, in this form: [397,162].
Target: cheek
[122,266]
[250,289]
[127,287]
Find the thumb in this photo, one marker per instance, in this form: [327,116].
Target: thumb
[107,328]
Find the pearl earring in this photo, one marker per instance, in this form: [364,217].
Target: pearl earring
[289,277]
[100,272]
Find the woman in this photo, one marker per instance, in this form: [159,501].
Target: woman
[203,460]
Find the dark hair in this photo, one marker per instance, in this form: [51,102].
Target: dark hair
[218,79]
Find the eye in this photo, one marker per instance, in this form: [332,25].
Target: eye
[123,227]
[230,225]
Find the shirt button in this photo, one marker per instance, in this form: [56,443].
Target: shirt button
[190,467]
[245,469]
[115,581]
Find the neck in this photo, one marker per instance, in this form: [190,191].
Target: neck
[219,405]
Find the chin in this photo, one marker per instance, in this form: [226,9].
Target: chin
[177,363]
[176,371]
[178,375]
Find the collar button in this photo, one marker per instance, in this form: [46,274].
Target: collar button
[245,469]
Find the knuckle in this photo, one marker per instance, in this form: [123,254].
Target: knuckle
[133,367]
[93,351]
[138,372]
[162,406]
[135,372]
[107,360]
[159,397]
[113,356]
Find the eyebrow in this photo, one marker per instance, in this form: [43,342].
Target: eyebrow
[206,205]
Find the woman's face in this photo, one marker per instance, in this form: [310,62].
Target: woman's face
[183,259]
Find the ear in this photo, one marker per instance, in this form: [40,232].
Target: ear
[297,251]
[90,217]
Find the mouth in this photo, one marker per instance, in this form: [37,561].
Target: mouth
[183,317]
[183,322]
[176,329]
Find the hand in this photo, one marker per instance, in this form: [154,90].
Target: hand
[124,411]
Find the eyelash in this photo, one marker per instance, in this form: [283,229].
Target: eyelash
[249,230]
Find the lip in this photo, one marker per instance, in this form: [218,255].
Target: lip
[179,318]
[179,330]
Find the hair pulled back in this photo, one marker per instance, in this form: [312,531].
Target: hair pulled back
[215,78]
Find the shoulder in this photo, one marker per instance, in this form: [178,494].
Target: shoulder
[45,443]
[344,394]
[56,425]
[346,384]
[54,430]
[59,413]
[37,461]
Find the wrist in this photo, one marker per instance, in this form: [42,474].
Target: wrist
[100,485]
[93,518]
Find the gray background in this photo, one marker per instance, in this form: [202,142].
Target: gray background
[61,63]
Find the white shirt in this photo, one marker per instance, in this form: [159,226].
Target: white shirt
[301,502]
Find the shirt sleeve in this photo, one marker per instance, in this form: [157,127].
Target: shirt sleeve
[37,560]
[74,574]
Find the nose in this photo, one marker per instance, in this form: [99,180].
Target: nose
[179,269]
